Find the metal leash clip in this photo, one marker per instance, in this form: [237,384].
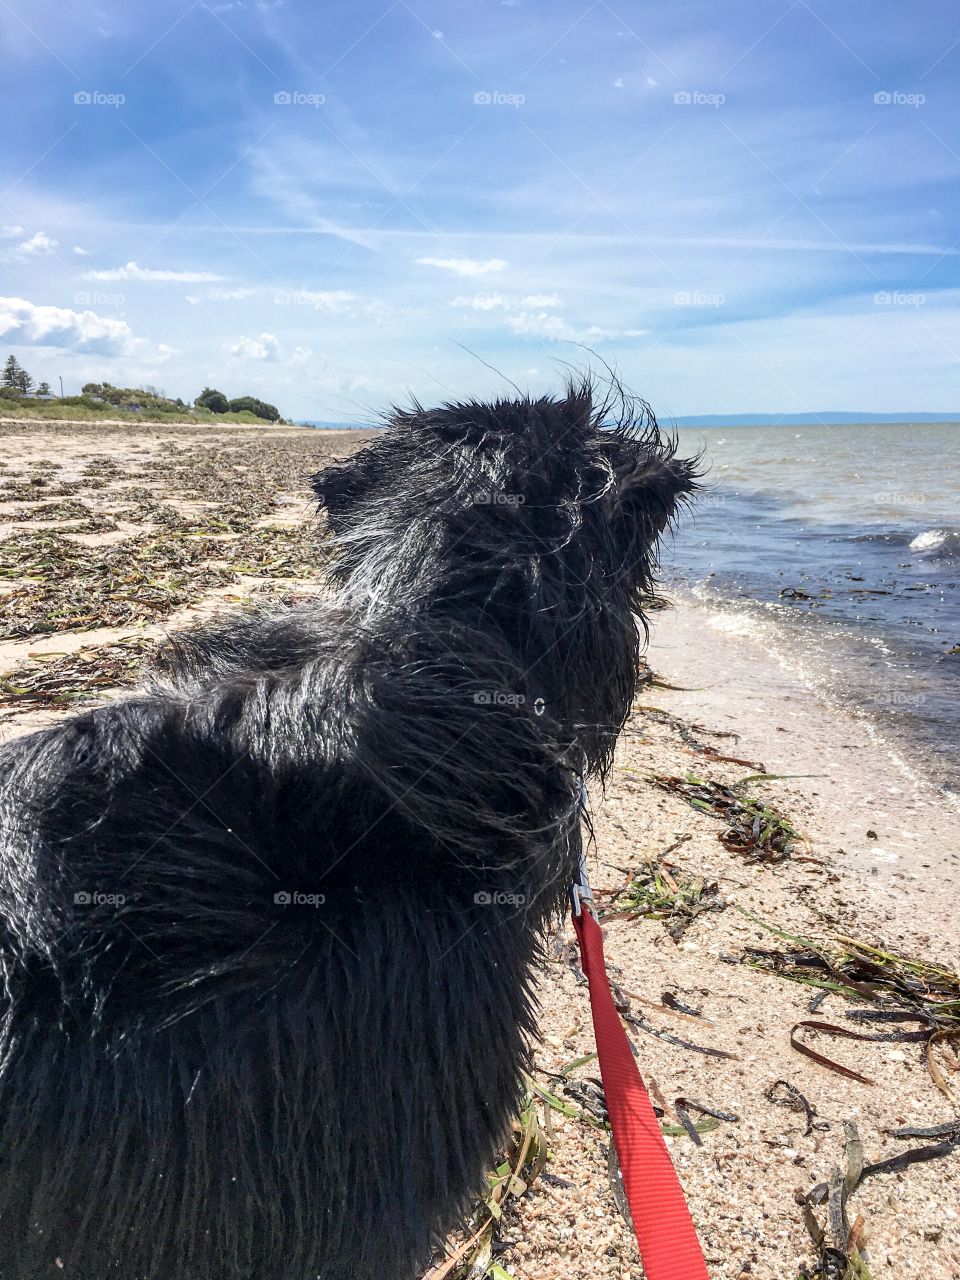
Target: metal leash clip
[580,890]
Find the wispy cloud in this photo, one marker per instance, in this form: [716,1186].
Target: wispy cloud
[132,271]
[542,324]
[504,301]
[465,266]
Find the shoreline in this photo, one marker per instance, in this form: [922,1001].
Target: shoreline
[853,777]
[878,859]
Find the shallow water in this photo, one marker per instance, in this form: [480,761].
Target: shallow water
[840,546]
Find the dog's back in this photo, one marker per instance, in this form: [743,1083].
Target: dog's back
[248,997]
[268,930]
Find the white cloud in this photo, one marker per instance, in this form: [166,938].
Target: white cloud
[134,272]
[266,347]
[10,233]
[27,324]
[464,266]
[540,324]
[81,252]
[504,301]
[38,243]
[227,295]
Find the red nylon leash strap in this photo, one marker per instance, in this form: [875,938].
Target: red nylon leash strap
[665,1232]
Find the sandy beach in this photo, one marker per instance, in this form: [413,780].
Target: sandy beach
[111,537]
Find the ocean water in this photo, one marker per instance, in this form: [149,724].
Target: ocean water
[837,548]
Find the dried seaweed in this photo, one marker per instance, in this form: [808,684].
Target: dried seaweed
[901,988]
[786,1094]
[662,891]
[523,1163]
[754,828]
[68,509]
[63,586]
[68,679]
[839,1244]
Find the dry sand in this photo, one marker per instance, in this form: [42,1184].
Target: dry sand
[880,863]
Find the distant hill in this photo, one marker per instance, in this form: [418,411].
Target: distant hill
[830,416]
[727,420]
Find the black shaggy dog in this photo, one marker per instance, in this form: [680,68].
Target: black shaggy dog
[268,928]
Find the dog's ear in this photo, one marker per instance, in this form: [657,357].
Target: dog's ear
[649,482]
[343,487]
[333,486]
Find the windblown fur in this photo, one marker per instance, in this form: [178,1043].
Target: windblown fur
[268,928]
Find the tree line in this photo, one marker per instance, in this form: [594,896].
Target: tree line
[15,381]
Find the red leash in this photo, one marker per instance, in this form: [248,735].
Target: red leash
[665,1232]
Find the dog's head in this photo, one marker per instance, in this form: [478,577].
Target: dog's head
[538,517]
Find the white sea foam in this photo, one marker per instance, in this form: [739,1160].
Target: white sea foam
[929,540]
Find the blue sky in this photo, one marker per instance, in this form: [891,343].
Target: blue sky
[747,207]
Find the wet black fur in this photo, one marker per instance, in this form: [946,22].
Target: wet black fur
[199,1080]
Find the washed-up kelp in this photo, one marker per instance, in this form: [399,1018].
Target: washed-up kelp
[910,1000]
[69,679]
[62,586]
[840,1245]
[754,828]
[661,891]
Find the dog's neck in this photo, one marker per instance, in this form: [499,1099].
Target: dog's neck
[577,662]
